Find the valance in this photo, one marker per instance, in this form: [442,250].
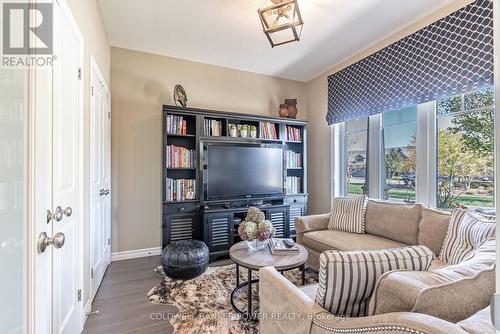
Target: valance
[449,57]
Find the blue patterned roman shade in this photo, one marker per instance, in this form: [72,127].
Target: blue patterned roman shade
[451,56]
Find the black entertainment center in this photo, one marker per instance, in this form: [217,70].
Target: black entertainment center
[211,175]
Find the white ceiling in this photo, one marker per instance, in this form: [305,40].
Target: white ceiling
[228,32]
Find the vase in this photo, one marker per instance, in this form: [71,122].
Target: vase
[243,133]
[256,244]
[233,133]
[253,133]
[283,110]
[292,108]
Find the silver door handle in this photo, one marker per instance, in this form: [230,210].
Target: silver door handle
[67,212]
[56,215]
[44,241]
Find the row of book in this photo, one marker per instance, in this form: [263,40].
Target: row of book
[293,159]
[180,189]
[293,134]
[268,131]
[176,125]
[180,157]
[293,185]
[213,127]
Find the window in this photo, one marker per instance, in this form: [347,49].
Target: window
[455,155]
[400,150]
[356,136]
[465,137]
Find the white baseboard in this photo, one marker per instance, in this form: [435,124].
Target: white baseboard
[134,254]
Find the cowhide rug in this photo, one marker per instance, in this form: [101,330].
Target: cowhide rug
[204,302]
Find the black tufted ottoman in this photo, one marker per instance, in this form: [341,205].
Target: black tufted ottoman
[185,259]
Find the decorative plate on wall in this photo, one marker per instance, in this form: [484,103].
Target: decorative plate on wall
[180,96]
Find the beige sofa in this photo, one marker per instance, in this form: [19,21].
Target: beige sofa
[445,299]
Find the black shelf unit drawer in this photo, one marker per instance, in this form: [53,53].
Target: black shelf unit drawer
[218,233]
[178,227]
[298,207]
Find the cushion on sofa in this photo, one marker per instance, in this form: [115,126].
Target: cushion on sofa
[340,240]
[348,214]
[452,293]
[467,230]
[347,279]
[432,228]
[395,221]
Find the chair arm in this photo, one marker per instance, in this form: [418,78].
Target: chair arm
[390,323]
[305,224]
[284,308]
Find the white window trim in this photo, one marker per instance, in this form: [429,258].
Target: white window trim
[375,156]
[426,168]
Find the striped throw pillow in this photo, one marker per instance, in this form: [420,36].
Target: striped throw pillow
[347,279]
[467,230]
[348,214]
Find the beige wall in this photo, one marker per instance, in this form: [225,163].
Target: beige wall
[88,18]
[319,146]
[140,84]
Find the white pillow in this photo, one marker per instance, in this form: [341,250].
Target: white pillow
[348,214]
[347,279]
[467,230]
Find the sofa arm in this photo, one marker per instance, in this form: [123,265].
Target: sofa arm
[305,224]
[391,323]
[284,308]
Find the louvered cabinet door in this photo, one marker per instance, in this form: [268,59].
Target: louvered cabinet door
[178,227]
[219,227]
[296,210]
[278,218]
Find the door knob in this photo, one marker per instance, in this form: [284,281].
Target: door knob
[67,212]
[57,215]
[44,241]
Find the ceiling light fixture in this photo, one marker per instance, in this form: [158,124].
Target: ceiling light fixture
[282,22]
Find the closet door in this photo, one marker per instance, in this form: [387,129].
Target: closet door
[100,195]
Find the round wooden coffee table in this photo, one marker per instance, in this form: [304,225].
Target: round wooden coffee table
[250,259]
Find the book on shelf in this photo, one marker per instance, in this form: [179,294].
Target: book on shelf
[180,157]
[176,125]
[268,131]
[293,185]
[213,127]
[293,133]
[293,159]
[277,247]
[180,189]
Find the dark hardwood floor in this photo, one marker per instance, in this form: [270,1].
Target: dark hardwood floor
[121,300]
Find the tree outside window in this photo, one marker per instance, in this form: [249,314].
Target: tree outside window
[356,136]
[465,150]
[400,150]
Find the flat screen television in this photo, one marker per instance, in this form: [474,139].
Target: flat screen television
[242,171]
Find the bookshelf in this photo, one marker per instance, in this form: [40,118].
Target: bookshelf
[185,214]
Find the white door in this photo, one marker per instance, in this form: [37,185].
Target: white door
[58,308]
[100,188]
[65,172]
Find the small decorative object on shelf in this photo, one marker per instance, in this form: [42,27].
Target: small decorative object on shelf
[289,108]
[233,130]
[253,131]
[180,96]
[244,131]
[255,229]
[284,110]
[292,108]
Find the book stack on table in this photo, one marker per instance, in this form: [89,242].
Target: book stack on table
[278,247]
